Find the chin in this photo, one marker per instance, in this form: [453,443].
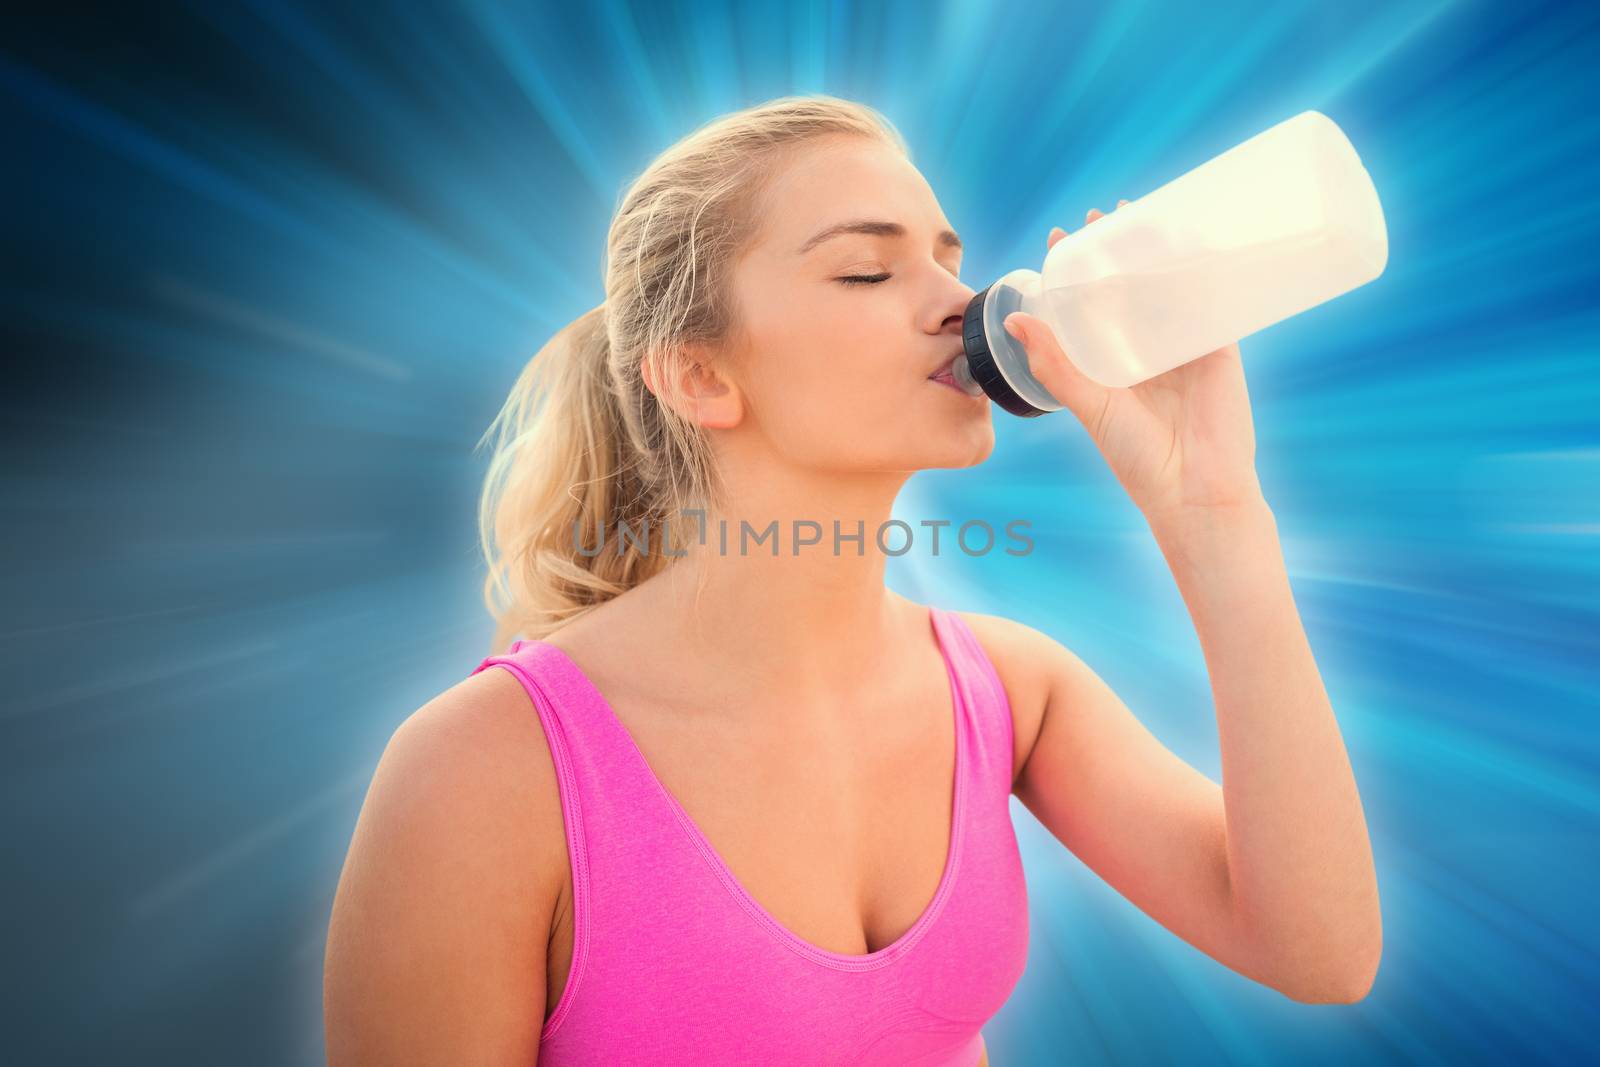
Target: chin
[956,446]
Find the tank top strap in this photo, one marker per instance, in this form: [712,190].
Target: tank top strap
[621,835]
[587,742]
[985,698]
[565,699]
[561,716]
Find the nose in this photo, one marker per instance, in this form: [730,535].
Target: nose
[957,308]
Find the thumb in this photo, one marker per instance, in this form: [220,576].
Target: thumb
[1077,392]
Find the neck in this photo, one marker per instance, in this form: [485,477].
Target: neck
[756,596]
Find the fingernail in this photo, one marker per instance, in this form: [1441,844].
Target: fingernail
[1013,326]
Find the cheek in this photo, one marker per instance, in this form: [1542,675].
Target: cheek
[816,404]
[823,391]
[814,361]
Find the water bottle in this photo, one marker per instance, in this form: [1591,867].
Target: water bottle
[1282,222]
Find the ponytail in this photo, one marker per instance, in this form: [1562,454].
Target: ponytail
[558,479]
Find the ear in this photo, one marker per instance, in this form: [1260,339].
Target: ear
[703,393]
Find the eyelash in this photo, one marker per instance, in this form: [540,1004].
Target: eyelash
[864,279]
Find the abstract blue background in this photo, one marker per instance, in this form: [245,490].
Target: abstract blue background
[273,267]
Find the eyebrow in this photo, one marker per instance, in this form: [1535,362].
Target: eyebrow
[877,228]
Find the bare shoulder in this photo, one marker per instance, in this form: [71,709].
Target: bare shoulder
[436,946]
[1030,664]
[478,750]
[481,743]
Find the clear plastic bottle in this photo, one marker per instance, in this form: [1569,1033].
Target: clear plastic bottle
[1282,222]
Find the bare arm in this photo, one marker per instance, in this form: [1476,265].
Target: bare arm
[1303,883]
[1271,873]
[436,946]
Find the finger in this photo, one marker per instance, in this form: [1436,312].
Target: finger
[1056,234]
[1121,202]
[1055,371]
[1094,213]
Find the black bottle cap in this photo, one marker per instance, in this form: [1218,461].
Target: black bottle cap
[980,361]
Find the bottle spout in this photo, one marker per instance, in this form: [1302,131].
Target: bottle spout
[961,371]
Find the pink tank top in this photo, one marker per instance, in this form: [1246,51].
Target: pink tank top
[674,962]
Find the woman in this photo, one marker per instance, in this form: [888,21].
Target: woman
[745,831]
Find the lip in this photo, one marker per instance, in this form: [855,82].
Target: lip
[942,370]
[950,383]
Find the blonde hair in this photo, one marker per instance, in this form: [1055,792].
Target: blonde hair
[582,443]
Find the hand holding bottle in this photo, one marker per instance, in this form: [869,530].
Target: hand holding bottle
[1180,443]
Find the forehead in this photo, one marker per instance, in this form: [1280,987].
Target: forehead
[836,179]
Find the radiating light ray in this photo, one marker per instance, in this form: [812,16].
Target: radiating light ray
[174,888]
[235,314]
[636,61]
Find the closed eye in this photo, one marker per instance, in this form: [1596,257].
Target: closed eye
[864,279]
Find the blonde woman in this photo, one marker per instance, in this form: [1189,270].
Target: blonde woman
[727,798]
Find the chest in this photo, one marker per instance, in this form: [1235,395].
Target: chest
[837,825]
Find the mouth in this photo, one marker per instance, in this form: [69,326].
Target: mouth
[943,372]
[948,382]
[945,375]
